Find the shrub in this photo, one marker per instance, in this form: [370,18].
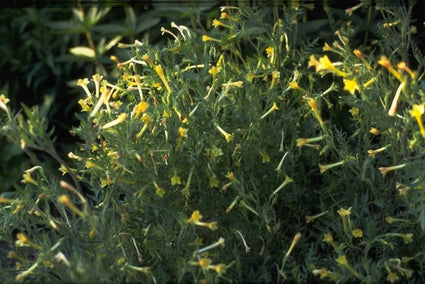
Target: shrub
[232,155]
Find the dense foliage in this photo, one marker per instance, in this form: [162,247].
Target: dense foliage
[238,153]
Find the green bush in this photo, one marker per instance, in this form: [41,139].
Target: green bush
[46,49]
[239,154]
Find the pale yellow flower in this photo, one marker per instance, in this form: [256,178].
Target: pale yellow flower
[118,120]
[84,104]
[324,168]
[272,109]
[227,136]
[83,84]
[357,233]
[392,277]
[159,190]
[264,158]
[344,212]
[385,170]
[195,217]
[175,180]
[3,105]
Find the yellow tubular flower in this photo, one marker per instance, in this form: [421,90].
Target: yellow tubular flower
[73,156]
[12,201]
[21,276]
[327,47]
[238,84]
[225,15]
[275,76]
[116,121]
[417,111]
[64,199]
[28,179]
[303,141]
[227,136]
[182,133]
[219,268]
[195,217]
[175,180]
[351,85]
[328,239]
[294,85]
[272,109]
[313,105]
[208,38]
[296,238]
[3,105]
[385,170]
[96,78]
[357,233]
[387,64]
[402,66]
[139,109]
[345,216]
[204,262]
[100,102]
[83,84]
[392,277]
[270,53]
[287,181]
[84,104]
[214,71]
[147,59]
[393,109]
[160,72]
[217,23]
[220,242]
[342,261]
[368,83]
[374,131]
[313,62]
[22,239]
[372,153]
[164,30]
[359,55]
[326,64]
[324,168]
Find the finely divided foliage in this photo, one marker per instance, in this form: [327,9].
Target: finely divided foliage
[237,154]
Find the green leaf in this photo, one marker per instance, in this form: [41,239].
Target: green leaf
[65,27]
[111,43]
[108,29]
[83,51]
[131,17]
[145,25]
[94,15]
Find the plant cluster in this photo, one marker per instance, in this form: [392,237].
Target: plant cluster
[45,50]
[239,154]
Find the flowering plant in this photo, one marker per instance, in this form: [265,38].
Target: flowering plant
[223,156]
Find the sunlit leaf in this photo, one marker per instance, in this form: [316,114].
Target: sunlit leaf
[83,51]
